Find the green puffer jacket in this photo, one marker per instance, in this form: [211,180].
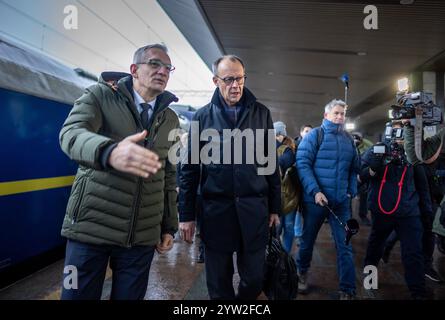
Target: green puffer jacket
[364,145]
[108,207]
[430,145]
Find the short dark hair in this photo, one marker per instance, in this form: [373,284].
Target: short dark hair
[230,57]
[139,54]
[306,126]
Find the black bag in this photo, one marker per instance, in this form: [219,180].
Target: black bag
[280,277]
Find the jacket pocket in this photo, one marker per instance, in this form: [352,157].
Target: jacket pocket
[76,198]
[217,180]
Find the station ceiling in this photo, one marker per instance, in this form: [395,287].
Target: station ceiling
[296,51]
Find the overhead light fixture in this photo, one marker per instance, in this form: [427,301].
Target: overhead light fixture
[406,1]
[350,126]
[362,53]
[270,73]
[403,84]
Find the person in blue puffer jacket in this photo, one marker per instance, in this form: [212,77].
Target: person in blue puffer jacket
[328,164]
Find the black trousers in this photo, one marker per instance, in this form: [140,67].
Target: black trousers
[409,230]
[363,204]
[220,271]
[427,240]
[363,200]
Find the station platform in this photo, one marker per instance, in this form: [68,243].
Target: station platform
[177,275]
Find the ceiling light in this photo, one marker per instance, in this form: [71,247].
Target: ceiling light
[406,1]
[403,84]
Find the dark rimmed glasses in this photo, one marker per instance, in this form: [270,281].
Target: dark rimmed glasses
[158,64]
[229,80]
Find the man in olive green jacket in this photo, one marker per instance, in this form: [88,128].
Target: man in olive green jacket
[123,201]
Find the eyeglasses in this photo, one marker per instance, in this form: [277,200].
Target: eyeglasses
[158,64]
[229,80]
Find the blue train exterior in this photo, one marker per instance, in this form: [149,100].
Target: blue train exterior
[36,95]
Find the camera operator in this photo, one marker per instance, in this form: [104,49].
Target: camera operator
[431,148]
[396,196]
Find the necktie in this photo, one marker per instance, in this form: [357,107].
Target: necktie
[146,114]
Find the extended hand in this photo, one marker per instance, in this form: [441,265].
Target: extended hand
[130,157]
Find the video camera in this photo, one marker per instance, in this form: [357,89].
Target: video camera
[392,150]
[407,103]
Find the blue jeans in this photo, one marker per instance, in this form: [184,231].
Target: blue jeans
[298,228]
[313,216]
[286,226]
[130,268]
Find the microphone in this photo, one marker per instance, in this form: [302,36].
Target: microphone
[351,228]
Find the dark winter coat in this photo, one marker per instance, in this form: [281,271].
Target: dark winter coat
[236,200]
[414,195]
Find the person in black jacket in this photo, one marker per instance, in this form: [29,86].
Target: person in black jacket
[304,130]
[239,204]
[397,194]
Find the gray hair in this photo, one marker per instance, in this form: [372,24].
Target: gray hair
[230,57]
[334,103]
[139,54]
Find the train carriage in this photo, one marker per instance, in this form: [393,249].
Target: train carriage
[36,95]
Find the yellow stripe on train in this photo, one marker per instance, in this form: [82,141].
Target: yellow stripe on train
[14,187]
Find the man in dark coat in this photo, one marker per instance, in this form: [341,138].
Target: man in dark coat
[240,200]
[398,193]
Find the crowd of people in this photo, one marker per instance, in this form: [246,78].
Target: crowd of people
[129,200]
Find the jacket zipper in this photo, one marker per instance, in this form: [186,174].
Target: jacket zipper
[77,207]
[137,200]
[136,205]
[336,167]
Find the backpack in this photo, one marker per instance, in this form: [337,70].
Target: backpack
[280,278]
[290,186]
[320,136]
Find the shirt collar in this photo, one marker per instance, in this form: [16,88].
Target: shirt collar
[138,100]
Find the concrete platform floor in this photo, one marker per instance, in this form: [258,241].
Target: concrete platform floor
[176,275]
